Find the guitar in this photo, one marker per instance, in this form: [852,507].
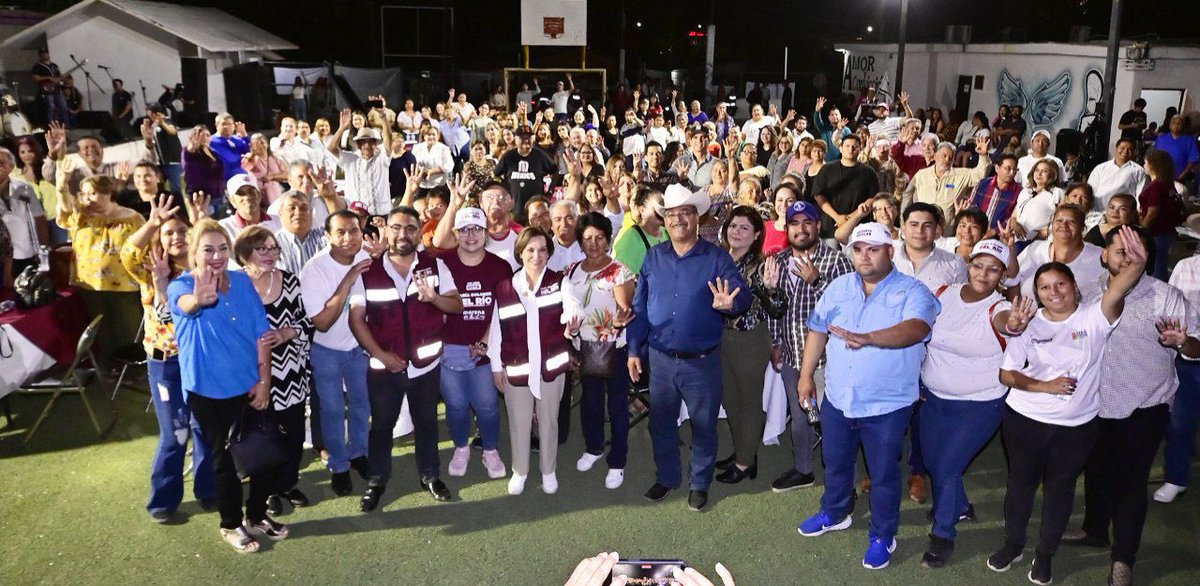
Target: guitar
[49,87]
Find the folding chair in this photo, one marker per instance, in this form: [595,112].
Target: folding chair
[639,402]
[129,355]
[74,380]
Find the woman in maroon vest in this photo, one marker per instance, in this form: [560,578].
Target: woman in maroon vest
[527,347]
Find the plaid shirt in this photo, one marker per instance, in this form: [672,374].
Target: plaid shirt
[789,332]
[998,204]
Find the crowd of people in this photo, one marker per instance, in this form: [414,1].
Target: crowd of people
[905,277]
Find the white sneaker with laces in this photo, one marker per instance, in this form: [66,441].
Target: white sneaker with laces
[549,483]
[493,463]
[614,478]
[586,461]
[516,484]
[458,463]
[1168,492]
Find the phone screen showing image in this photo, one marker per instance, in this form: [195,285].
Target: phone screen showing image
[648,572]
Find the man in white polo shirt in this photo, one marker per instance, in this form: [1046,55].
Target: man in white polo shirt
[1120,175]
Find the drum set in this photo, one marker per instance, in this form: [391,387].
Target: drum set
[13,122]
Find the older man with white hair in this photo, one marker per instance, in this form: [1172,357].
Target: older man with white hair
[686,289]
[563,216]
[941,184]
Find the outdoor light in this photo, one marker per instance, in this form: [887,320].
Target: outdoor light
[639,24]
[870,29]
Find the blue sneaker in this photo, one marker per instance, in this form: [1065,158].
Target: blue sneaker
[822,523]
[879,553]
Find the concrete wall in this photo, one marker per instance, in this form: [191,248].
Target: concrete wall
[131,56]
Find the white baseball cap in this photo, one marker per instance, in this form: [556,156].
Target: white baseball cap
[1042,132]
[872,233]
[469,217]
[239,181]
[993,248]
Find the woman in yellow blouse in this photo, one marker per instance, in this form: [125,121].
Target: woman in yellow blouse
[155,254]
[98,228]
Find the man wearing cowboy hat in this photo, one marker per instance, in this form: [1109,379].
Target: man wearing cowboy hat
[367,170]
[686,288]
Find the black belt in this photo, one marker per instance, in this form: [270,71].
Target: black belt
[689,355]
[159,355]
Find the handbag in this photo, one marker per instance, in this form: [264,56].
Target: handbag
[596,358]
[257,443]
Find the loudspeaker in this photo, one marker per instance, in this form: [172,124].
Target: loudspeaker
[194,74]
[1068,140]
[250,93]
[93,119]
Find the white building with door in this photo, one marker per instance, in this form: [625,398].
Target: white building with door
[1059,84]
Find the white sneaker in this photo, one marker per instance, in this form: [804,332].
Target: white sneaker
[493,463]
[458,463]
[549,483]
[586,461]
[614,479]
[516,484]
[1168,492]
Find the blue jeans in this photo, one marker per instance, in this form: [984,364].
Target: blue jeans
[464,391]
[174,175]
[882,439]
[174,423]
[1185,418]
[953,432]
[613,392]
[335,371]
[56,108]
[696,383]
[1162,254]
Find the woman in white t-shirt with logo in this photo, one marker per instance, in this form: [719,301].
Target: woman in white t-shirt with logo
[1051,423]
[964,400]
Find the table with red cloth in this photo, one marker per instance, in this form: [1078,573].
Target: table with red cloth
[32,340]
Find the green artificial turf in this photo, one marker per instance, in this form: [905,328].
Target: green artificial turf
[72,511]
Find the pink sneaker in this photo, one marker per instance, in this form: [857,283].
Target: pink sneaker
[458,463]
[493,463]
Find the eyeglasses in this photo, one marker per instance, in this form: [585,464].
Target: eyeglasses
[266,249]
[470,230]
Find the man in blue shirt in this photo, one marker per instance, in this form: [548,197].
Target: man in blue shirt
[229,144]
[881,318]
[1182,147]
[686,288]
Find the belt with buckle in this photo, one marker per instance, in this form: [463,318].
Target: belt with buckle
[689,355]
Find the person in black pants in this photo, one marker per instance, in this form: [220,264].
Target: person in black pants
[1052,420]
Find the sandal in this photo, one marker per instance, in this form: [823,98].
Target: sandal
[240,539]
[268,528]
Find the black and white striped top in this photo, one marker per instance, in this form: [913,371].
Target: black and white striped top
[291,371]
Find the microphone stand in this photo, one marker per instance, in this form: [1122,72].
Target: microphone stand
[145,101]
[89,82]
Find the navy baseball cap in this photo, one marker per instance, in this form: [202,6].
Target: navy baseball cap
[803,208]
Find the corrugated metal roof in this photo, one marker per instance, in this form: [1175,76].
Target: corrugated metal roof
[208,28]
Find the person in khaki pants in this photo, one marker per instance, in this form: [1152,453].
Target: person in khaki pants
[527,347]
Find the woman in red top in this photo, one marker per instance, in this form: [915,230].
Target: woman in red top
[1159,208]
[776,231]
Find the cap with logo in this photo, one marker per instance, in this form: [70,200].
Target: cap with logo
[872,233]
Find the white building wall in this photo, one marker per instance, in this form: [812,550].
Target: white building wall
[131,56]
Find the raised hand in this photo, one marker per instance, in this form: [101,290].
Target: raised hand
[461,187]
[123,171]
[731,144]
[147,130]
[770,272]
[158,264]
[1171,332]
[772,111]
[161,209]
[853,340]
[722,297]
[903,97]
[864,209]
[197,206]
[622,317]
[425,291]
[1023,309]
[963,202]
[1134,249]
[205,287]
[239,128]
[803,267]
[56,139]
[344,118]
[373,246]
[820,103]
[983,146]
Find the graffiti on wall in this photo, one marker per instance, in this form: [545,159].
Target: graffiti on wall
[1044,105]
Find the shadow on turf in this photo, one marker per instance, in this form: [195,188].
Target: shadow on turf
[68,427]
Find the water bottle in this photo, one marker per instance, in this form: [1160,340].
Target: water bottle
[43,259]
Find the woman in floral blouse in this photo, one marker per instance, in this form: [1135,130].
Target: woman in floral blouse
[746,343]
[155,254]
[99,228]
[599,291]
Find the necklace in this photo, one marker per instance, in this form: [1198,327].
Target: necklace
[270,284]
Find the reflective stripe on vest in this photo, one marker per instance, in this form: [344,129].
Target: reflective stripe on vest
[375,364]
[557,361]
[511,311]
[551,299]
[517,370]
[383,295]
[429,350]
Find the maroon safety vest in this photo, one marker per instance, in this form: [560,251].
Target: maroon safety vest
[401,324]
[514,335]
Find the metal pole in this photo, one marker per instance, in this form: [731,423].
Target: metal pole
[785,60]
[900,48]
[1110,70]
[621,50]
[710,48]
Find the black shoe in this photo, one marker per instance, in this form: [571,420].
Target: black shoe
[966,515]
[697,499]
[1040,572]
[477,442]
[297,498]
[360,465]
[437,488]
[371,498]
[341,483]
[940,550]
[163,517]
[791,480]
[208,505]
[727,463]
[1082,538]
[274,505]
[734,475]
[657,493]
[1008,555]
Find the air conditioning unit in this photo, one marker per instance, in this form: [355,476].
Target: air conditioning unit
[1137,51]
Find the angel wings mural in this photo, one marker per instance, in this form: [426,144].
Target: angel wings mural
[1044,104]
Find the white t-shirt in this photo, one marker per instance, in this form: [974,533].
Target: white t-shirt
[504,248]
[1025,165]
[319,279]
[564,256]
[1035,209]
[1086,267]
[559,100]
[962,359]
[445,285]
[1072,347]
[750,128]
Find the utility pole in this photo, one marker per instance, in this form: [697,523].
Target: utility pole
[1110,70]
[900,48]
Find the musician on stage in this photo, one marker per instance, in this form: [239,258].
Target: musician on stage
[48,77]
[122,103]
[73,97]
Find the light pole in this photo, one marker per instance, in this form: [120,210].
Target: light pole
[1110,70]
[900,47]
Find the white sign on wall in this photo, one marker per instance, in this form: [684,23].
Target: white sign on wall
[863,69]
[561,23]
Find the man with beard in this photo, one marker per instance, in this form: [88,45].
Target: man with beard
[841,187]
[399,319]
[808,267]
[686,289]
